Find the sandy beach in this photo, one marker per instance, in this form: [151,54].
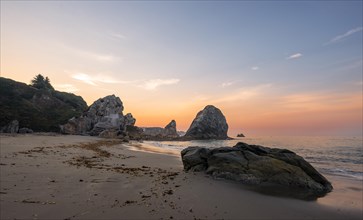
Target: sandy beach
[50,176]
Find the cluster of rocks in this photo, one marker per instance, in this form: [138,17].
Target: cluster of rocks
[169,131]
[103,118]
[13,127]
[257,165]
[209,123]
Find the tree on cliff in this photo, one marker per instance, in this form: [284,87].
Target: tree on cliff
[40,82]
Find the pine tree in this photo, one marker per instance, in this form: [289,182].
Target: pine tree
[47,83]
[40,82]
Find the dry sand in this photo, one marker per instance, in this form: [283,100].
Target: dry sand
[78,177]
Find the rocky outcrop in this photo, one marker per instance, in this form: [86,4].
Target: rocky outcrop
[104,117]
[109,133]
[168,132]
[80,125]
[170,129]
[240,135]
[12,127]
[134,132]
[181,133]
[257,165]
[209,123]
[37,109]
[128,119]
[153,131]
[25,131]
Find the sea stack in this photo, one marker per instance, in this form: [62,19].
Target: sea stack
[170,129]
[209,123]
[103,116]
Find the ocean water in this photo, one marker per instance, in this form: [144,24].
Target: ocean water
[340,156]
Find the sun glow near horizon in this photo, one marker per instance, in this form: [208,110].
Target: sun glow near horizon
[167,60]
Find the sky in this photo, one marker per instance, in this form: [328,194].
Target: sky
[272,67]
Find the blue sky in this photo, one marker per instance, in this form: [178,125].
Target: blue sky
[182,55]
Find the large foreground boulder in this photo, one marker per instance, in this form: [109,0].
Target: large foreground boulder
[209,123]
[257,165]
[103,116]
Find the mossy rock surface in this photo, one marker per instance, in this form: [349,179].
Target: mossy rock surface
[258,165]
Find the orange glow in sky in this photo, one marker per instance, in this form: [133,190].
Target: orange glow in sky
[275,74]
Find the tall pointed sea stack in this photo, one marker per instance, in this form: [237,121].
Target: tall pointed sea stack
[209,123]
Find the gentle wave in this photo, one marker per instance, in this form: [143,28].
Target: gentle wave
[340,156]
[342,172]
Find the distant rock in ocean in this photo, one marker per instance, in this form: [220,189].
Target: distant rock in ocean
[257,165]
[240,135]
[209,123]
[104,117]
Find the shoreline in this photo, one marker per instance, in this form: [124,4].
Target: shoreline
[72,177]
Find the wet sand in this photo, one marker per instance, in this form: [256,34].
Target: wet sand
[78,177]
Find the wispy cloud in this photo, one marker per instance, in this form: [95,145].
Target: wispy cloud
[66,88]
[319,101]
[155,83]
[244,93]
[239,95]
[117,35]
[94,79]
[100,57]
[84,78]
[255,68]
[359,83]
[105,57]
[227,84]
[294,56]
[343,36]
[96,56]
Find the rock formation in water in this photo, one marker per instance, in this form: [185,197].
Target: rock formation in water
[168,132]
[209,123]
[170,129]
[257,165]
[104,117]
[240,135]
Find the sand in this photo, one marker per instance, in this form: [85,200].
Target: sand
[49,176]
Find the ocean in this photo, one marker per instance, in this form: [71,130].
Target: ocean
[337,156]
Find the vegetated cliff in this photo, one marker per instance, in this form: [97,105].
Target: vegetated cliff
[41,109]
